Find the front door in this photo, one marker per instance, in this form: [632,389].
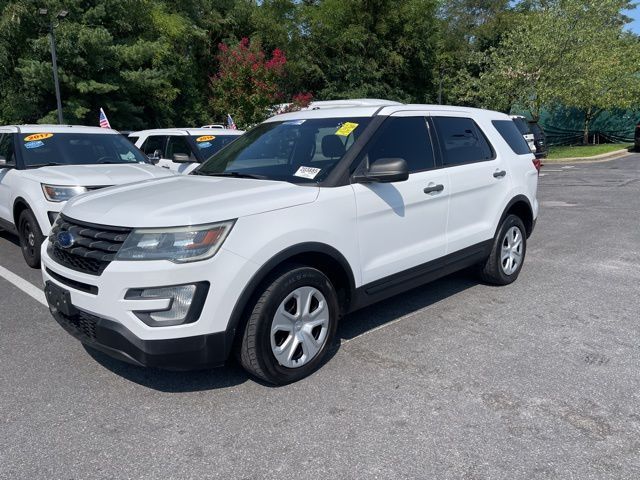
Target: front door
[402,225]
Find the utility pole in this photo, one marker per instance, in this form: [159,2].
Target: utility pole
[54,58]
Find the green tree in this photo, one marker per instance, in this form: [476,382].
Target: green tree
[569,52]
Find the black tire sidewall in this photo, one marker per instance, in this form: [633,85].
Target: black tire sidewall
[284,285]
[510,221]
[27,216]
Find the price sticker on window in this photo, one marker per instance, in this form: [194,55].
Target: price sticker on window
[307,172]
[346,129]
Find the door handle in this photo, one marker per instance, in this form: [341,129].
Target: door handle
[434,189]
[500,174]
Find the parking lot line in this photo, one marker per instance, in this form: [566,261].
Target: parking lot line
[27,287]
[380,327]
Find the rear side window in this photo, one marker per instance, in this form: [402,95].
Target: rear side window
[461,141]
[508,130]
[403,137]
[154,143]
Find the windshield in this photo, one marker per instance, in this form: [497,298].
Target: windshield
[297,151]
[210,144]
[40,149]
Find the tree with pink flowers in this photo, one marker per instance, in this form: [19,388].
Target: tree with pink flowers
[248,82]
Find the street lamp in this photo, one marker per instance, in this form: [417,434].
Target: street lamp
[54,57]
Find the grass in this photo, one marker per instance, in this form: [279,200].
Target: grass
[585,151]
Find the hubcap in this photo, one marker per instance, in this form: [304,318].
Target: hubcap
[511,256]
[299,327]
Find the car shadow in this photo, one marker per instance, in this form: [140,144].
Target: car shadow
[10,237]
[394,308]
[352,326]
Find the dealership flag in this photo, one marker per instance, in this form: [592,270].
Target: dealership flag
[104,122]
[230,123]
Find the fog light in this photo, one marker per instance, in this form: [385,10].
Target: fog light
[185,303]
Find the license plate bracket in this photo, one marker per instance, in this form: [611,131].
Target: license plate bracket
[59,300]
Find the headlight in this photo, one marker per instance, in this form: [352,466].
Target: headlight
[182,244]
[59,193]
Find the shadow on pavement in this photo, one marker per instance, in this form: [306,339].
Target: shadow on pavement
[396,307]
[9,237]
[352,326]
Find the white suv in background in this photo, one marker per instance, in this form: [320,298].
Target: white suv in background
[183,150]
[305,218]
[43,166]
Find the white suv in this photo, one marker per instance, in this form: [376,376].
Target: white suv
[183,150]
[305,218]
[42,166]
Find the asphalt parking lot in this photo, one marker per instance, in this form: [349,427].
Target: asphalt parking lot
[456,379]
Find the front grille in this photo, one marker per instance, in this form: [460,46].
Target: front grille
[94,246]
[82,325]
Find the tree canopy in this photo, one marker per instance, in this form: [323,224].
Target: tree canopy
[156,63]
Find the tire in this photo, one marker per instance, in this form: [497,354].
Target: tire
[511,236]
[282,342]
[31,238]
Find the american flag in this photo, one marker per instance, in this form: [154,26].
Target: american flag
[104,122]
[230,123]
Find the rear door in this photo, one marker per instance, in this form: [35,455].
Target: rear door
[479,180]
[402,225]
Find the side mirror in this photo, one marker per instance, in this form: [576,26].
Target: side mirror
[155,156]
[385,170]
[182,158]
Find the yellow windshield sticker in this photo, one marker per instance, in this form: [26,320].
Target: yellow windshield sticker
[38,136]
[205,138]
[346,129]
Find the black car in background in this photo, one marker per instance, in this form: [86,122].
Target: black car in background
[540,140]
[637,137]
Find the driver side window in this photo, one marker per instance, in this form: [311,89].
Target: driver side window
[6,149]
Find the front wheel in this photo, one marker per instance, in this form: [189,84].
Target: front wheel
[31,238]
[507,254]
[291,327]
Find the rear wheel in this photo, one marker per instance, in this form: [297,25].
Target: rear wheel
[507,255]
[291,327]
[31,238]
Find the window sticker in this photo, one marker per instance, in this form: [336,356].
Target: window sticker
[36,144]
[38,136]
[204,145]
[307,172]
[205,138]
[293,122]
[346,129]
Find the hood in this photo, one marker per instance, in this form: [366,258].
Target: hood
[97,175]
[186,200]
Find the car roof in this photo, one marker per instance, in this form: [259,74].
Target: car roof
[187,131]
[384,109]
[45,128]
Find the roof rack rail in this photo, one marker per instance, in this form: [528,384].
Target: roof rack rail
[357,102]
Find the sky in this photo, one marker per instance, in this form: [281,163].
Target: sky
[635,14]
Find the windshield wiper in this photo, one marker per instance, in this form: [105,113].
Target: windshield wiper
[233,175]
[50,164]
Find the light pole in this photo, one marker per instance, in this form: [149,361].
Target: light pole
[54,57]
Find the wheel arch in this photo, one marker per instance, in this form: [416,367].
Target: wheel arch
[313,254]
[521,207]
[19,206]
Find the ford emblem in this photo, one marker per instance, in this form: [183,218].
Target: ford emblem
[65,239]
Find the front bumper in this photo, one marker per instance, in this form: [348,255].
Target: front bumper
[101,305]
[201,351]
